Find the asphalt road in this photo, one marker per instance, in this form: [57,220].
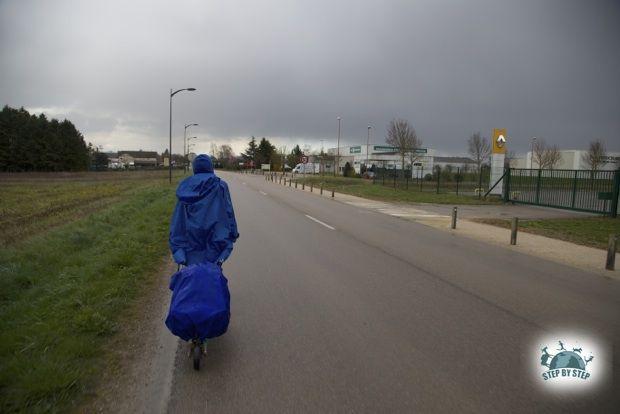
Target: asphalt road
[341,309]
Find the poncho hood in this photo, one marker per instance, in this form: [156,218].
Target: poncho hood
[201,184]
[202,164]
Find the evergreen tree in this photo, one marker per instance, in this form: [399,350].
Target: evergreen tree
[250,153]
[34,143]
[295,156]
[264,152]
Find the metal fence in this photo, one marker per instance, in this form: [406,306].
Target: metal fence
[582,190]
[437,180]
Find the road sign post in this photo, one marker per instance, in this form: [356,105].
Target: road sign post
[497,160]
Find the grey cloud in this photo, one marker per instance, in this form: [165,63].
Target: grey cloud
[287,69]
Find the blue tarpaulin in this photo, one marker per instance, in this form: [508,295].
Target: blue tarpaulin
[200,306]
[203,227]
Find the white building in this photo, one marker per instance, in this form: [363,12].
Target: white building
[463,163]
[380,156]
[570,160]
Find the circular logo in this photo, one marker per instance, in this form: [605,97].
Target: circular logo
[567,359]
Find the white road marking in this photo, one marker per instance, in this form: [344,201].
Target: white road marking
[263,193]
[244,183]
[320,222]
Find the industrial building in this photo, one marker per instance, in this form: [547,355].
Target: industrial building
[570,160]
[379,156]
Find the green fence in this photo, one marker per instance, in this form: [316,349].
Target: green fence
[438,180]
[582,190]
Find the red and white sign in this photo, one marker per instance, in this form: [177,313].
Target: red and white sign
[304,159]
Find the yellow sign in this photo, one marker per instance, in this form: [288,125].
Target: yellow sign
[499,141]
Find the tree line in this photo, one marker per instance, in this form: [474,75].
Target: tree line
[34,143]
[255,155]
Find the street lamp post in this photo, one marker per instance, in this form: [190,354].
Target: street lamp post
[337,169]
[170,131]
[532,153]
[367,144]
[322,167]
[186,154]
[185,151]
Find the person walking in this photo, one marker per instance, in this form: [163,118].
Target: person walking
[203,227]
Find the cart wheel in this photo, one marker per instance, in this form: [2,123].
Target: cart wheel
[196,355]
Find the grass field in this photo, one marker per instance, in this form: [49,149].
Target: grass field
[588,231]
[365,188]
[77,250]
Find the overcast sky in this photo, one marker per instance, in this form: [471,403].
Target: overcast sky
[286,69]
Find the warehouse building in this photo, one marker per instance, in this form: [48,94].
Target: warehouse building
[570,160]
[379,156]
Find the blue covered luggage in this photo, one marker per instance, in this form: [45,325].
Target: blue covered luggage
[200,306]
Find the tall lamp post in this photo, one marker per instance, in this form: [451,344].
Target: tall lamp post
[185,151]
[532,153]
[186,155]
[337,169]
[170,130]
[367,144]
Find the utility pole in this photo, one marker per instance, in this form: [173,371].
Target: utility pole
[337,169]
[185,146]
[170,131]
[367,145]
[322,167]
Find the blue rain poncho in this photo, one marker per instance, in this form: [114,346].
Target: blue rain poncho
[203,227]
[200,305]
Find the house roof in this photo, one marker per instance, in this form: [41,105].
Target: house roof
[139,154]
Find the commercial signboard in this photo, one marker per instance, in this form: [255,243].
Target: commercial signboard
[384,148]
[499,141]
[387,148]
[355,150]
[497,160]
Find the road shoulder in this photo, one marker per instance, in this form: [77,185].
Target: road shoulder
[140,358]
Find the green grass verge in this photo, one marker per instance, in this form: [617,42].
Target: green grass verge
[366,189]
[61,294]
[588,231]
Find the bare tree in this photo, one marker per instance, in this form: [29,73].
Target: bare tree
[215,151]
[402,135]
[225,155]
[596,154]
[413,155]
[282,155]
[538,152]
[479,148]
[552,157]
[545,156]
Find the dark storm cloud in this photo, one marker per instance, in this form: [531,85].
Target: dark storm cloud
[287,69]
